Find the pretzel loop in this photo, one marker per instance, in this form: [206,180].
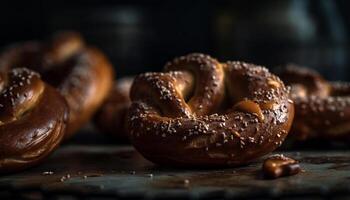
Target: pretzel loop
[184,116]
[81,73]
[322,107]
[33,117]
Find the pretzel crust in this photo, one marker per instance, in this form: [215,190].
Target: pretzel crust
[200,112]
[322,107]
[111,116]
[33,118]
[81,73]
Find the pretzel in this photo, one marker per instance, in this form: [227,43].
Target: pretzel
[33,118]
[110,118]
[322,108]
[278,165]
[81,73]
[200,112]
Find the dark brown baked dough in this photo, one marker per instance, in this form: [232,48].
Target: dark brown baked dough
[111,116]
[81,73]
[322,108]
[278,165]
[200,112]
[33,118]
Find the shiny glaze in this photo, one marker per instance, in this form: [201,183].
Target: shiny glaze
[181,126]
[33,120]
[251,107]
[82,74]
[322,107]
[279,165]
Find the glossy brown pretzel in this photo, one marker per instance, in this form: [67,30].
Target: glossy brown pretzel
[322,108]
[82,74]
[279,165]
[200,112]
[111,116]
[33,118]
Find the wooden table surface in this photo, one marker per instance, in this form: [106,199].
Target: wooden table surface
[77,171]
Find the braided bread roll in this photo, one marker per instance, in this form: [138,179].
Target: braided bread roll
[81,73]
[322,108]
[33,118]
[200,112]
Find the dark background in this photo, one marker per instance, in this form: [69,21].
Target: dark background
[141,36]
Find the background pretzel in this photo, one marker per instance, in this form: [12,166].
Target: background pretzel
[322,107]
[111,116]
[33,117]
[200,112]
[82,74]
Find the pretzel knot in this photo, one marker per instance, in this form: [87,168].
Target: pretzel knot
[33,118]
[81,73]
[322,107]
[200,112]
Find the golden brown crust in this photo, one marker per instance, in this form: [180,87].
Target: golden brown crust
[33,120]
[200,112]
[324,111]
[111,116]
[81,73]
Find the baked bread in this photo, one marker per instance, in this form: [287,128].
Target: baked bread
[200,112]
[81,73]
[322,108]
[33,118]
[111,116]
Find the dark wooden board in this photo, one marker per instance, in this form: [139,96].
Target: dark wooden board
[119,171]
